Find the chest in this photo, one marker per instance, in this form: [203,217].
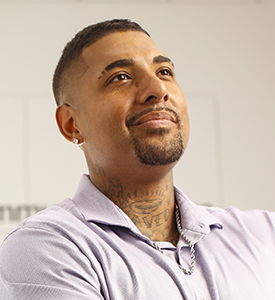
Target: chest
[129,268]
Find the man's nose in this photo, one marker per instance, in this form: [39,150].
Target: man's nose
[151,89]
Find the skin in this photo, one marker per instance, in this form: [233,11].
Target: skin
[125,74]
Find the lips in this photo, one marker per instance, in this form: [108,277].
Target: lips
[156,115]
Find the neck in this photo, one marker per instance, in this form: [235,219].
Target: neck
[150,204]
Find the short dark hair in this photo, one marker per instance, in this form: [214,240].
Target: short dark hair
[83,39]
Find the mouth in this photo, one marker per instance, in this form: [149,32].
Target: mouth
[154,117]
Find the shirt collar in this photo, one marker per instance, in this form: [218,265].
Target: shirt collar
[196,220]
[96,207]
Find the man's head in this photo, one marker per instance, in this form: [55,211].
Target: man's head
[70,65]
[122,102]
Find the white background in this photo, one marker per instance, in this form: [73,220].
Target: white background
[225,63]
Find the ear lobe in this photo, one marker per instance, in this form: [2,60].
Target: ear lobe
[66,122]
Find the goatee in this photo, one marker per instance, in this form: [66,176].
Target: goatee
[169,147]
[157,155]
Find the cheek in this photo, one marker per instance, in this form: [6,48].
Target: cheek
[183,114]
[105,122]
[185,124]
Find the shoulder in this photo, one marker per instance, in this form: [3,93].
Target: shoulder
[256,223]
[46,255]
[58,222]
[250,216]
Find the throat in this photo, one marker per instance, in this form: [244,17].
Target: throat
[166,234]
[159,225]
[150,204]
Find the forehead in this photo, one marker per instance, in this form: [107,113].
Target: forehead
[133,45]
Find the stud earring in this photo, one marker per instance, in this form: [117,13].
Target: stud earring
[75,141]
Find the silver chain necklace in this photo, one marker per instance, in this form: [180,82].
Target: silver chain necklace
[188,241]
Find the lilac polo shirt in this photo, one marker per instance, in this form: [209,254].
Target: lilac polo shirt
[87,248]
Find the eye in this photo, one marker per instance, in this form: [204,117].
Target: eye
[165,72]
[120,77]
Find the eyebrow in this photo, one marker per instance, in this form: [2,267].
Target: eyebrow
[161,58]
[129,62]
[118,64]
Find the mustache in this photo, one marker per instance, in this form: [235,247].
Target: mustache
[133,118]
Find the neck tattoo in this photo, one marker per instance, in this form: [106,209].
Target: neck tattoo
[188,241]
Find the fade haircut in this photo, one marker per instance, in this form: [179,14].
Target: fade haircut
[67,65]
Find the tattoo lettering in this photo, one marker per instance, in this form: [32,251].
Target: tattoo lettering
[147,222]
[137,221]
[156,220]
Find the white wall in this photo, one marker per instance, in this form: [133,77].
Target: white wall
[224,56]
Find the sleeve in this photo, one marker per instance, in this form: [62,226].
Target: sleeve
[39,264]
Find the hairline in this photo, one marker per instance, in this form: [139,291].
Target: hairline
[77,64]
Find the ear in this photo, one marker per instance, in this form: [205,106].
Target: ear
[66,121]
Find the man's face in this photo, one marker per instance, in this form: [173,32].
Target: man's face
[129,106]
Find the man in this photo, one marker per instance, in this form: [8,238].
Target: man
[128,233]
